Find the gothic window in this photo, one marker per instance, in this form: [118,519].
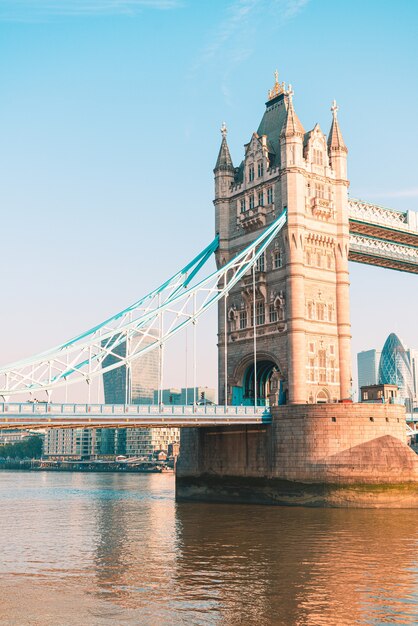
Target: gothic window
[243,319]
[261,262]
[311,347]
[310,314]
[260,170]
[231,320]
[319,190]
[242,205]
[270,195]
[330,312]
[251,173]
[312,370]
[322,366]
[277,259]
[317,157]
[329,261]
[331,349]
[320,311]
[252,201]
[261,198]
[308,258]
[318,259]
[259,313]
[332,372]
[273,313]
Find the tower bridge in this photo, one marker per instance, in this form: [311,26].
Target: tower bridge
[286,428]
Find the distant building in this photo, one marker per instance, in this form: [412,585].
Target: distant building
[395,369]
[16,436]
[379,393]
[71,443]
[144,378]
[144,442]
[186,395]
[368,368]
[413,359]
[393,365]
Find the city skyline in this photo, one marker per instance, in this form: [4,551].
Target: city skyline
[89,130]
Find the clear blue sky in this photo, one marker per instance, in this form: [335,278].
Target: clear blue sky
[109,131]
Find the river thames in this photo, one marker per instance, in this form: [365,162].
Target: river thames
[99,549]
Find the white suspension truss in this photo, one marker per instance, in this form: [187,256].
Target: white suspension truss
[143,326]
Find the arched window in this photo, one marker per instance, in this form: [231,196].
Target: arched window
[260,264]
[322,397]
[259,313]
[277,259]
[243,319]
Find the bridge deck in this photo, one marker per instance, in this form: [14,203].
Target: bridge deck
[383,237]
[44,415]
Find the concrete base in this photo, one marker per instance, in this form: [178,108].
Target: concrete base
[312,455]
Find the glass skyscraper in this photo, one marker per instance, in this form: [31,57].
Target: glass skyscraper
[395,369]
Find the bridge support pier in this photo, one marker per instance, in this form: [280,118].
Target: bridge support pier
[337,455]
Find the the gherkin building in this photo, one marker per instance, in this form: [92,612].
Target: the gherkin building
[395,368]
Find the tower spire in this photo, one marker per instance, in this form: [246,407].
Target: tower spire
[224,161]
[335,138]
[292,125]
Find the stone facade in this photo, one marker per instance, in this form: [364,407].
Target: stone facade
[301,282]
[334,454]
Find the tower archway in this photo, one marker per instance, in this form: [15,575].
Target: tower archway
[259,385]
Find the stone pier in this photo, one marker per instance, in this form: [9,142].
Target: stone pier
[338,455]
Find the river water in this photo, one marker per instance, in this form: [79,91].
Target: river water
[101,549]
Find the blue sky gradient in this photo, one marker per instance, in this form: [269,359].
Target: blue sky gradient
[109,124]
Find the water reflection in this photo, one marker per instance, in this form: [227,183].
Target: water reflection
[114,548]
[299,566]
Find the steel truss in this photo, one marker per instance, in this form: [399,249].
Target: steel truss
[145,325]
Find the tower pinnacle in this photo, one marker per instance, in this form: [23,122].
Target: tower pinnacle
[277,88]
[335,138]
[292,125]
[224,161]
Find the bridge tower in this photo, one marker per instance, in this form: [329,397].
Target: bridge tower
[317,451]
[297,299]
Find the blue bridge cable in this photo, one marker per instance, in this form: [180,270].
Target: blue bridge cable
[115,336]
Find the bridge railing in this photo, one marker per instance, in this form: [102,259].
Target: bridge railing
[110,410]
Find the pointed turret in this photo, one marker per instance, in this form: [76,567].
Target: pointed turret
[335,138]
[337,150]
[291,135]
[224,179]
[224,161]
[292,125]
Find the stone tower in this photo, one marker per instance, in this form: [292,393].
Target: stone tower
[301,305]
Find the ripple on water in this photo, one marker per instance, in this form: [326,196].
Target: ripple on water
[116,549]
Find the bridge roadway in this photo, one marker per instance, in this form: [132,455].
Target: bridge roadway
[49,415]
[383,237]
